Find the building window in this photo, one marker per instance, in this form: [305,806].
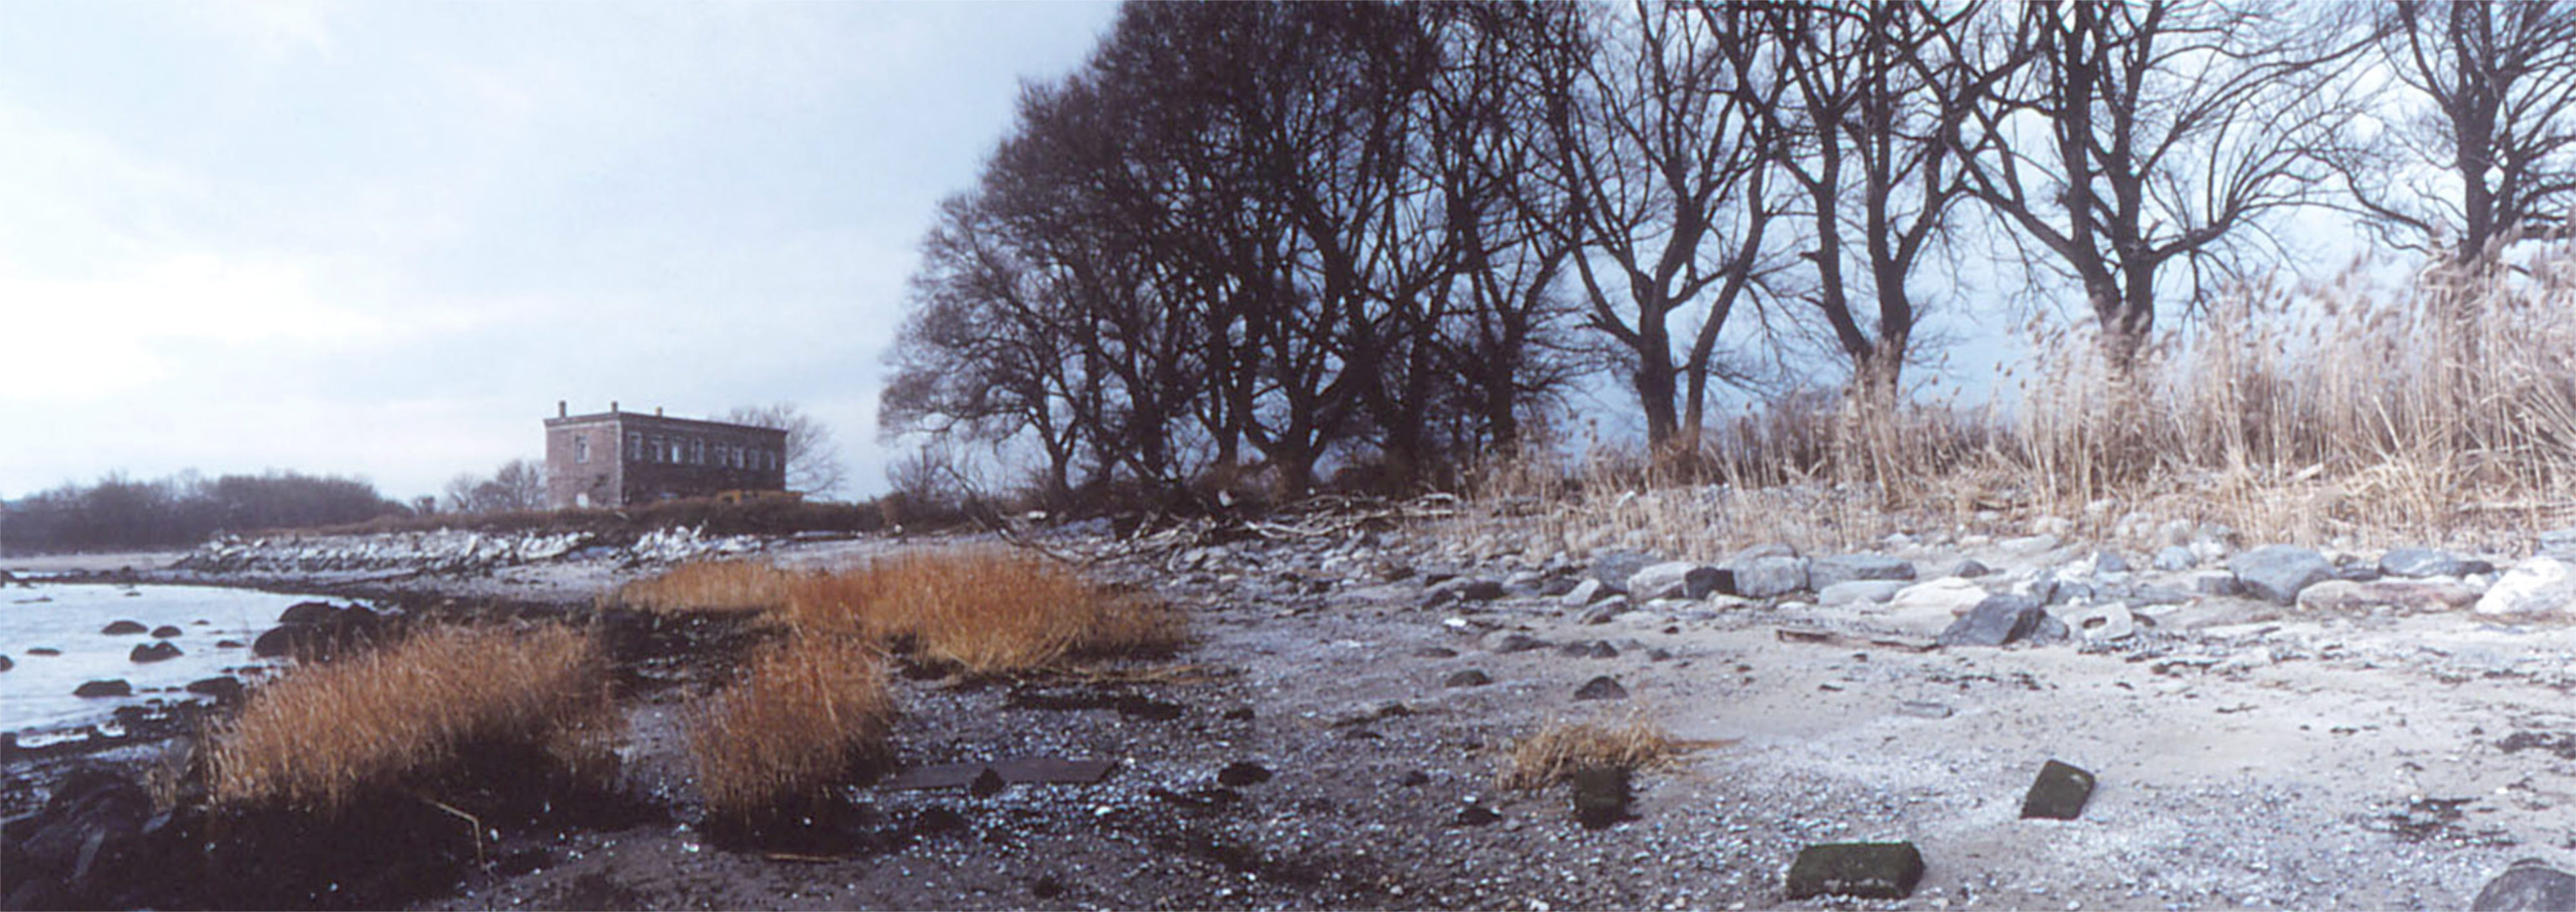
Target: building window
[635,448]
[675,451]
[581,449]
[697,452]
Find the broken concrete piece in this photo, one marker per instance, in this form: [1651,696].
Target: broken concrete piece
[1600,796]
[2058,794]
[1998,620]
[1863,870]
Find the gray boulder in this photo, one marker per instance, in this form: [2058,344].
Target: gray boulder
[2175,558]
[2418,563]
[1765,577]
[1998,620]
[2542,587]
[1585,593]
[1675,579]
[2276,573]
[2530,885]
[1842,568]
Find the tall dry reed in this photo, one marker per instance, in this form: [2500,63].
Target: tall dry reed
[807,710]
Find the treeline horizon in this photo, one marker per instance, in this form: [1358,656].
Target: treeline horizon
[1278,239]
[118,512]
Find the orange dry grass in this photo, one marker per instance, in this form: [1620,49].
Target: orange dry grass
[711,586]
[801,716]
[1558,749]
[986,610]
[324,736]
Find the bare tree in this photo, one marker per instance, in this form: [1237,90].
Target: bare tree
[519,484]
[814,465]
[1877,98]
[2500,132]
[1658,138]
[2130,137]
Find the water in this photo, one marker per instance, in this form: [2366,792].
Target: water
[36,694]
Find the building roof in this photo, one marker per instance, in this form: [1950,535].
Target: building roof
[640,418]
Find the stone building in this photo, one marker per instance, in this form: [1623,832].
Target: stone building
[616,458]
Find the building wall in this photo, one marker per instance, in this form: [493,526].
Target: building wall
[636,458]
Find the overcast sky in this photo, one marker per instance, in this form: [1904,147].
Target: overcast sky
[383,239]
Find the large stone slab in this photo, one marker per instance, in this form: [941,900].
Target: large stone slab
[2276,573]
[1861,870]
[2058,794]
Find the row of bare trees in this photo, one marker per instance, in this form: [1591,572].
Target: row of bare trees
[1284,237]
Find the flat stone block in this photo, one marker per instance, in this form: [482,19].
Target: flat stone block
[2058,794]
[1863,870]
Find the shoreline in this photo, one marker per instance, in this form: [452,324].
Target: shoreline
[2248,753]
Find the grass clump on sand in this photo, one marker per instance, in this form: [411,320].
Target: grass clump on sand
[985,610]
[1559,748]
[324,737]
[806,711]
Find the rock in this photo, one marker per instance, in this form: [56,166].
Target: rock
[1474,815]
[1585,593]
[1930,607]
[2530,885]
[2104,623]
[154,652]
[1970,569]
[1468,678]
[986,784]
[2353,569]
[2106,563]
[5,664]
[225,689]
[2403,596]
[43,651]
[1606,611]
[318,632]
[1924,709]
[2534,589]
[1480,590]
[231,644]
[1765,577]
[1997,620]
[86,848]
[2175,558]
[2276,573]
[1600,796]
[1840,568]
[1595,649]
[2222,585]
[1613,568]
[1862,870]
[1859,592]
[115,687]
[1603,687]
[1675,579]
[123,628]
[1509,641]
[1242,773]
[165,631]
[2058,794]
[1435,652]
[2559,543]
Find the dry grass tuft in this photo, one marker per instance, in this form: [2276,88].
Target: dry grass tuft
[804,713]
[322,737]
[715,586]
[1559,748]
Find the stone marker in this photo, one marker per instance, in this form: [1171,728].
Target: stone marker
[1998,620]
[2528,886]
[1863,870]
[1600,796]
[1602,687]
[2276,573]
[2058,794]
